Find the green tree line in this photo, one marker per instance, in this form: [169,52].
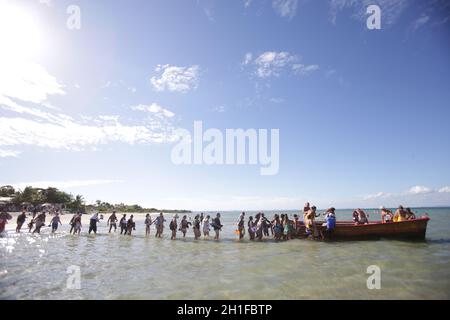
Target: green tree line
[39,196]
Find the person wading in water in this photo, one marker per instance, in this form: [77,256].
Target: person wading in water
[112,222]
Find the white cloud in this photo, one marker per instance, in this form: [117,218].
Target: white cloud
[27,81]
[61,184]
[74,135]
[209,12]
[24,90]
[415,196]
[285,8]
[5,153]
[172,78]
[219,109]
[377,195]
[46,2]
[419,190]
[247,3]
[422,20]
[271,63]
[444,190]
[248,58]
[154,108]
[330,73]
[304,70]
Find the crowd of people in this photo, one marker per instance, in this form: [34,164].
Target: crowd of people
[280,227]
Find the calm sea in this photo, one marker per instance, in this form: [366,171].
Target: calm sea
[122,267]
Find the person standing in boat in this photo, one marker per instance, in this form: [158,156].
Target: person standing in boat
[21,220]
[306,208]
[400,214]
[217,226]
[386,215]
[355,216]
[409,214]
[362,217]
[112,222]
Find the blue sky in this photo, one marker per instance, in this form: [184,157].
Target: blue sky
[362,114]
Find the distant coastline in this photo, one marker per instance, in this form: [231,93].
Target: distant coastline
[52,199]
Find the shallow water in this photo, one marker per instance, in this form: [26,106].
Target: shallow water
[123,267]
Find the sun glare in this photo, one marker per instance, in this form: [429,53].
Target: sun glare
[20,36]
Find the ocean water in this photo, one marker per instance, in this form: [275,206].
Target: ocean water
[123,267]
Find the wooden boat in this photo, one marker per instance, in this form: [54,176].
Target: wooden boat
[347,230]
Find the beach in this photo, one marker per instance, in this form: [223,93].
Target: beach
[139,267]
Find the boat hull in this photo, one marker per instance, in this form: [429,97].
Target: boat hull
[410,229]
